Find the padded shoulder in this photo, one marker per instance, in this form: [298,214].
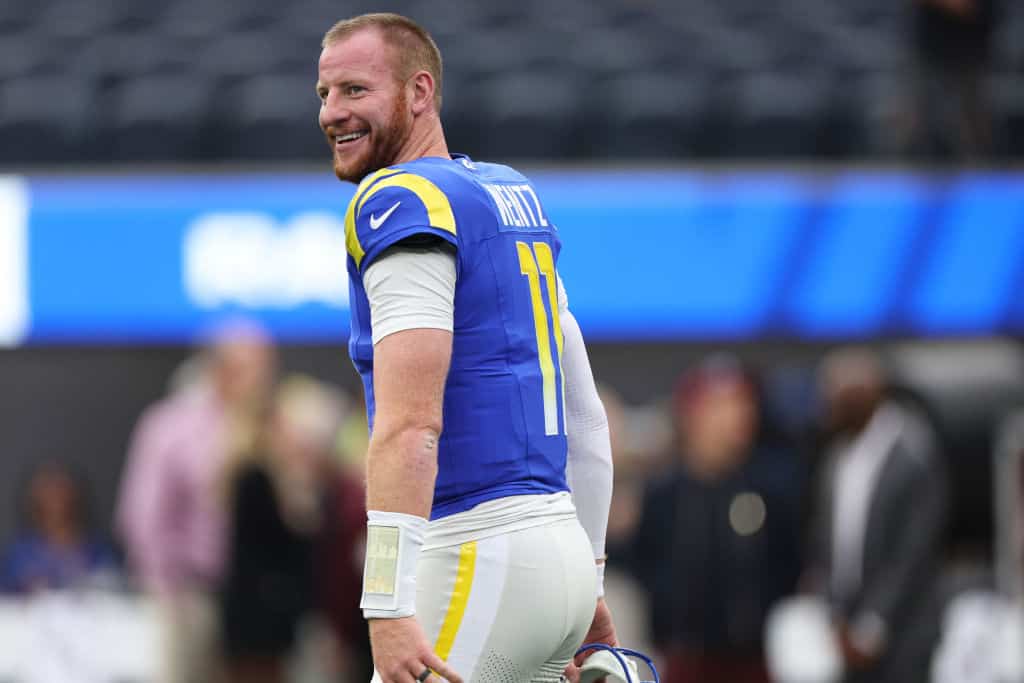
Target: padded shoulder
[394,204]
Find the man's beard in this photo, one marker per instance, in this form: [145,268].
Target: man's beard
[384,152]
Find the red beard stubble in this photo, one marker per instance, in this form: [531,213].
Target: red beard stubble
[385,152]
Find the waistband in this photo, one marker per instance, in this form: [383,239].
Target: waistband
[499,516]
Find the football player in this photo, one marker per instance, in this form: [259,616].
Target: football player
[480,565]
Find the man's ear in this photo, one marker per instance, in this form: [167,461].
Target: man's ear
[422,92]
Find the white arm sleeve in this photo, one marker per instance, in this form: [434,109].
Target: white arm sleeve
[589,467]
[411,288]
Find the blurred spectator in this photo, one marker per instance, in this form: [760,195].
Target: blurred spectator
[55,549]
[1016,578]
[718,538]
[624,514]
[170,513]
[339,574]
[625,595]
[878,524]
[340,550]
[275,514]
[951,112]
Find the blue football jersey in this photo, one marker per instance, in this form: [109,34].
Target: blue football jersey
[504,401]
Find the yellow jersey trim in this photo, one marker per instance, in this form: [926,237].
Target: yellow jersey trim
[355,249]
[460,598]
[439,209]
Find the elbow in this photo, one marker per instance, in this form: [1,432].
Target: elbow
[588,424]
[403,419]
[415,442]
[592,449]
[585,410]
[425,437]
[425,429]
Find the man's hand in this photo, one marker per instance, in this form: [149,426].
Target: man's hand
[856,656]
[602,630]
[401,652]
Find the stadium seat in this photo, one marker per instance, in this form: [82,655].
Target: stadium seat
[150,54]
[308,20]
[733,52]
[864,109]
[531,116]
[1008,103]
[747,12]
[655,116]
[778,115]
[211,19]
[581,16]
[46,119]
[610,54]
[460,114]
[134,16]
[314,17]
[859,50]
[272,117]
[1008,45]
[506,52]
[73,20]
[16,16]
[742,69]
[247,53]
[158,118]
[869,13]
[28,54]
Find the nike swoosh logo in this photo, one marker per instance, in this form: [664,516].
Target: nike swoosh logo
[377,221]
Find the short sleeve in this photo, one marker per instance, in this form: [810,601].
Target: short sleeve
[390,206]
[411,289]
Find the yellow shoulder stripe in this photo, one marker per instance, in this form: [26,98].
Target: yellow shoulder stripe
[369,180]
[439,209]
[355,249]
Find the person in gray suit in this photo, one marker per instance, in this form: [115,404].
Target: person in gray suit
[879,523]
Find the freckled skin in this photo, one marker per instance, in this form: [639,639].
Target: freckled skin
[361,90]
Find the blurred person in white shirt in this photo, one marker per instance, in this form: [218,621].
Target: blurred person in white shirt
[171,514]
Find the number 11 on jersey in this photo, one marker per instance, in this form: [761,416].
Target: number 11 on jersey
[533,268]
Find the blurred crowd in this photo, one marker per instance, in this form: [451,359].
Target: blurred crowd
[741,515]
[240,522]
[237,517]
[240,518]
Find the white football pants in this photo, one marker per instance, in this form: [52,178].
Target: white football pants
[511,608]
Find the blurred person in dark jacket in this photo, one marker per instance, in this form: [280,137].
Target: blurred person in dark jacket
[339,546]
[718,539]
[339,566]
[878,525]
[275,489]
[632,456]
[56,549]
[950,114]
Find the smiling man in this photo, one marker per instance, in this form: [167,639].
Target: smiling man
[480,565]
